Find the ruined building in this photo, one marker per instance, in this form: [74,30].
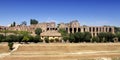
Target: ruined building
[72,27]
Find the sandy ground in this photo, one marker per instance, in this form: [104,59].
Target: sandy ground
[5,50]
[62,51]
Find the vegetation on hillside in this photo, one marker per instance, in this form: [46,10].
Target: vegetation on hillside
[38,31]
[24,36]
[33,21]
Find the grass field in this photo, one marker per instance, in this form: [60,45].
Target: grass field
[66,51]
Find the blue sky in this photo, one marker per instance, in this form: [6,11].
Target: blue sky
[87,12]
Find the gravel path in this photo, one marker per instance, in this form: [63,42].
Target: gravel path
[6,54]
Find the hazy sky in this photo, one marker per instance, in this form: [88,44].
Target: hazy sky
[87,12]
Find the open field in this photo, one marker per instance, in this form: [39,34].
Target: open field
[4,48]
[66,51]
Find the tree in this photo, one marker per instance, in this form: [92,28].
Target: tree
[33,21]
[71,38]
[24,33]
[31,38]
[58,25]
[56,39]
[51,40]
[117,29]
[36,38]
[46,39]
[110,37]
[10,44]
[106,37]
[102,37]
[24,23]
[64,34]
[11,25]
[87,36]
[11,38]
[38,31]
[118,36]
[78,37]
[65,38]
[95,39]
[25,39]
[8,39]
[20,37]
[1,37]
[14,23]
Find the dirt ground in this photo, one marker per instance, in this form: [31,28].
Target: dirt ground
[4,48]
[66,51]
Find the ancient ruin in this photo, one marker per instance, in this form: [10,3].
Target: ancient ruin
[72,27]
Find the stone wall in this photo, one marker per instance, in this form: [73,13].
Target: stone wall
[74,27]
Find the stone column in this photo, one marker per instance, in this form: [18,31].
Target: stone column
[92,29]
[101,29]
[92,34]
[72,30]
[95,29]
[88,29]
[84,29]
[107,29]
[68,30]
[76,29]
[113,31]
[104,29]
[98,29]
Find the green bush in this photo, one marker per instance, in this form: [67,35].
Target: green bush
[46,40]
[41,40]
[95,39]
[36,39]
[51,40]
[56,39]
[10,44]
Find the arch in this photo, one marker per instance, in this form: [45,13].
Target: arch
[75,30]
[70,29]
[79,30]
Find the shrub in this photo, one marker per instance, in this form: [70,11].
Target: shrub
[56,39]
[41,40]
[36,39]
[46,40]
[95,39]
[10,44]
[51,40]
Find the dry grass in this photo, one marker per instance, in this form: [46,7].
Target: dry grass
[57,51]
[4,48]
[59,57]
[69,47]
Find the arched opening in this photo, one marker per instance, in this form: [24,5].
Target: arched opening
[66,29]
[84,29]
[110,29]
[106,29]
[70,30]
[93,29]
[74,30]
[90,29]
[79,30]
[47,29]
[97,29]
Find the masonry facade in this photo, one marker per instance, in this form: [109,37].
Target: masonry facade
[72,27]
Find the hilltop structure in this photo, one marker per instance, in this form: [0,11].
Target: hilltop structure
[49,29]
[74,26]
